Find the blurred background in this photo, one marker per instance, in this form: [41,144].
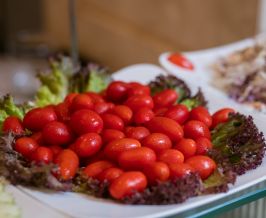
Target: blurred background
[115,33]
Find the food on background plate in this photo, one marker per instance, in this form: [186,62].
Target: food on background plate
[242,75]
[134,143]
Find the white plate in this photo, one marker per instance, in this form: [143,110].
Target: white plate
[77,205]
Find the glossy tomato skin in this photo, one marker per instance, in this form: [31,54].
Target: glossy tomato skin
[203,145]
[102,107]
[37,136]
[124,112]
[25,146]
[37,118]
[56,133]
[110,174]
[143,115]
[180,170]
[171,156]
[68,163]
[157,171]
[96,98]
[109,135]
[137,158]
[113,149]
[95,169]
[127,184]
[157,142]
[13,124]
[166,126]
[85,121]
[187,146]
[117,91]
[221,116]
[179,113]
[201,114]
[88,144]
[112,121]
[165,98]
[204,165]
[138,132]
[81,101]
[195,129]
[136,102]
[42,155]
[138,90]
[62,112]
[69,98]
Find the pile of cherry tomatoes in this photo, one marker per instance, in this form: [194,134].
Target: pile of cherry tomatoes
[123,135]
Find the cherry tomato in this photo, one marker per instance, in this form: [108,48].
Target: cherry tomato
[127,184]
[81,101]
[139,132]
[171,156]
[102,107]
[124,112]
[157,142]
[165,98]
[68,163]
[88,144]
[202,164]
[96,98]
[194,129]
[55,149]
[138,90]
[157,171]
[137,158]
[187,146]
[25,146]
[179,113]
[181,61]
[117,91]
[37,136]
[143,115]
[180,170]
[112,134]
[221,116]
[203,145]
[69,98]
[112,121]
[160,111]
[56,133]
[136,102]
[201,114]
[166,126]
[85,121]
[37,118]
[13,124]
[116,147]
[95,169]
[110,174]
[42,155]
[62,112]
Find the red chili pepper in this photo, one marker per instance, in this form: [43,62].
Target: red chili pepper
[181,61]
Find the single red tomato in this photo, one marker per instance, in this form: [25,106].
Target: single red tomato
[111,121]
[138,90]
[137,158]
[109,135]
[110,174]
[93,170]
[68,163]
[187,146]
[171,156]
[117,91]
[42,155]
[103,107]
[157,172]
[25,146]
[136,102]
[62,112]
[201,114]
[143,115]
[202,164]
[13,124]
[56,133]
[165,98]
[138,132]
[127,184]
[85,121]
[157,142]
[88,144]
[179,113]
[69,98]
[81,101]
[221,116]
[194,129]
[181,61]
[113,149]
[203,145]
[180,170]
[96,98]
[124,112]
[166,126]
[55,149]
[37,118]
